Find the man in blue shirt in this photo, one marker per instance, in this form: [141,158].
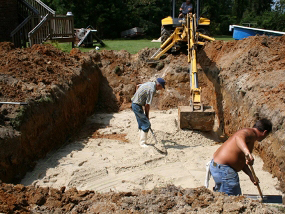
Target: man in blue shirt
[185,8]
[143,98]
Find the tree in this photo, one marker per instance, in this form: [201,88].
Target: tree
[111,17]
[259,6]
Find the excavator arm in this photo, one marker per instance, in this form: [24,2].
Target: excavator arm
[195,116]
[195,91]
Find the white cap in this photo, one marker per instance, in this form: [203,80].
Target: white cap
[69,14]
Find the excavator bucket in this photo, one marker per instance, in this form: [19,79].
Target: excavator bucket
[196,120]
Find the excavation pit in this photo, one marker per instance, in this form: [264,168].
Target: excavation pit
[63,90]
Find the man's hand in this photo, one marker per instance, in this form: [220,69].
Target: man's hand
[253,181]
[146,110]
[249,159]
[249,173]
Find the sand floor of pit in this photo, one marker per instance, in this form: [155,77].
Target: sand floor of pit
[103,164]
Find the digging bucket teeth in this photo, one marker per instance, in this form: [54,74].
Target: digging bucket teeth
[196,120]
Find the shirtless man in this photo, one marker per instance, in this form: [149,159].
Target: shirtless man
[230,158]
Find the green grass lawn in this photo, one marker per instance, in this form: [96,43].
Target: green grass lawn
[224,37]
[132,46]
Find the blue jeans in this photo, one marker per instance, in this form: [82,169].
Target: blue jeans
[226,179]
[142,119]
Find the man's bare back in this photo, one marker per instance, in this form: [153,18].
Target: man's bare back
[233,151]
[235,155]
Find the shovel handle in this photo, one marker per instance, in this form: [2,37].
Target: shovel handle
[255,179]
[153,135]
[254,176]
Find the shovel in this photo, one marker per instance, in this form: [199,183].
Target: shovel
[262,198]
[161,148]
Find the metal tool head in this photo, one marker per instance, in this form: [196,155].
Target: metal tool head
[266,198]
[158,146]
[196,120]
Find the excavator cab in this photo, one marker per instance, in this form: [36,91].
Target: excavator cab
[174,33]
[170,23]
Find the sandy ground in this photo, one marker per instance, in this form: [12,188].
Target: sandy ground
[111,159]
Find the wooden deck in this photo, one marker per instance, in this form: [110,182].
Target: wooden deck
[41,24]
[60,28]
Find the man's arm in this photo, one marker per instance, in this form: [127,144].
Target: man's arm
[137,86]
[181,8]
[247,171]
[240,139]
[190,9]
[146,110]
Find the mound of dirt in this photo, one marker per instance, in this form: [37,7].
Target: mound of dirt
[28,73]
[170,199]
[60,91]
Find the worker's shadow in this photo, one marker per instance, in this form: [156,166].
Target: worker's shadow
[169,144]
[163,145]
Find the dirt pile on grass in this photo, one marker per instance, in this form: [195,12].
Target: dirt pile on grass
[28,73]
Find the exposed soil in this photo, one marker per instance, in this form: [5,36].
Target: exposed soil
[242,80]
[251,73]
[61,90]
[168,199]
[29,73]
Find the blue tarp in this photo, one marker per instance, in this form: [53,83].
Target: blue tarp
[241,32]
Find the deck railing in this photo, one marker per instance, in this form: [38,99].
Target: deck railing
[41,24]
[20,34]
[62,26]
[25,9]
[41,32]
[54,28]
[41,7]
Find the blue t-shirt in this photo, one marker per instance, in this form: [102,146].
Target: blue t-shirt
[186,8]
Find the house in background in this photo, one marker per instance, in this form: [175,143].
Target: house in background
[28,22]
[8,18]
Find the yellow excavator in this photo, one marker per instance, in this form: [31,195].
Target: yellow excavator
[196,116]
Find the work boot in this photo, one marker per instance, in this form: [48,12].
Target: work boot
[143,139]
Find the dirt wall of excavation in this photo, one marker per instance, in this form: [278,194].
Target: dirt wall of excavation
[61,92]
[249,80]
